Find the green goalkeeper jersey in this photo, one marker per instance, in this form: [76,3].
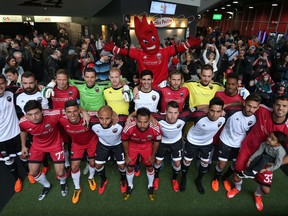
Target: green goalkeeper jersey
[91,99]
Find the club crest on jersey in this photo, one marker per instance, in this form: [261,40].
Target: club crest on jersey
[179,125]
[154,97]
[39,99]
[149,137]
[181,94]
[70,93]
[97,89]
[9,99]
[72,153]
[211,87]
[47,126]
[250,123]
[219,124]
[115,130]
[159,56]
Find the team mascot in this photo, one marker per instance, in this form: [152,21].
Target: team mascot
[151,56]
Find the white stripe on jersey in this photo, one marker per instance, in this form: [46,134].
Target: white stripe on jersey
[204,130]
[108,136]
[128,126]
[171,133]
[236,128]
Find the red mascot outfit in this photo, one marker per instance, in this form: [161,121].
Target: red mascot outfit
[151,56]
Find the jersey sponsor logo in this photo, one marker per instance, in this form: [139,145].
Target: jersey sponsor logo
[9,99]
[219,124]
[250,123]
[115,130]
[154,97]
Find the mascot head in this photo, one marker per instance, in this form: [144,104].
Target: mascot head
[147,35]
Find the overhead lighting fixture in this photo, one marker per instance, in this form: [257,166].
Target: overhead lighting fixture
[250,7]
[229,12]
[215,9]
[207,10]
[228,5]
[235,2]
[223,8]
[274,5]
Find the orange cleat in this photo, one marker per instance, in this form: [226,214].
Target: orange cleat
[156,183]
[227,185]
[31,179]
[233,192]
[45,170]
[102,187]
[175,185]
[137,173]
[123,186]
[76,195]
[215,185]
[18,185]
[92,184]
[258,202]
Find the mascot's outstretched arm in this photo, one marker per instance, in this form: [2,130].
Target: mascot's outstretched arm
[189,43]
[113,48]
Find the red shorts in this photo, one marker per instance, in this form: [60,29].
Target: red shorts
[38,154]
[265,178]
[145,150]
[77,151]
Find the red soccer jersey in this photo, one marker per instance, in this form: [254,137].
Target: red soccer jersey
[79,134]
[135,136]
[61,96]
[258,134]
[230,99]
[46,135]
[157,63]
[168,94]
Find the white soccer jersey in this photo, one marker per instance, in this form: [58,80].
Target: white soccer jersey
[108,136]
[204,130]
[171,133]
[23,98]
[236,128]
[149,100]
[9,123]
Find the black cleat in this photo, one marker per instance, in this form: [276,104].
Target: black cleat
[199,186]
[151,193]
[128,192]
[183,184]
[44,193]
[64,189]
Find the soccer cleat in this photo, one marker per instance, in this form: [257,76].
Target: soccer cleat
[31,179]
[151,193]
[92,184]
[175,185]
[241,175]
[156,183]
[18,185]
[45,170]
[258,202]
[248,174]
[231,193]
[199,186]
[102,187]
[64,189]
[183,184]
[76,195]
[86,169]
[137,172]
[128,192]
[44,193]
[227,185]
[215,185]
[123,186]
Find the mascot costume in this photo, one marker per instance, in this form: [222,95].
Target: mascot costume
[151,56]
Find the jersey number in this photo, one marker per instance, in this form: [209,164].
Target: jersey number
[268,178]
[59,155]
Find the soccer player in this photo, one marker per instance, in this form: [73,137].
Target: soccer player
[173,92]
[268,120]
[171,126]
[199,139]
[114,95]
[140,138]
[109,143]
[233,133]
[44,128]
[9,133]
[83,139]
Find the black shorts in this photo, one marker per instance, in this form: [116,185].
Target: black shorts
[190,150]
[175,149]
[103,152]
[226,152]
[10,148]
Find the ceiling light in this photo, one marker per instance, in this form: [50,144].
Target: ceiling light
[235,2]
[228,5]
[223,8]
[250,7]
[229,12]
[274,5]
[207,10]
[215,9]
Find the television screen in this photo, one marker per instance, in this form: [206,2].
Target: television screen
[217,17]
[162,8]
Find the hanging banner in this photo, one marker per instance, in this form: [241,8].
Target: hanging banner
[163,22]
